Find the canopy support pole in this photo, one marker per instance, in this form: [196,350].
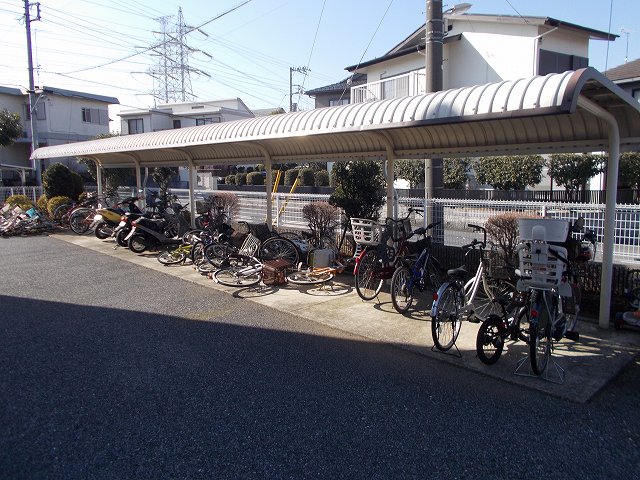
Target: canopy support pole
[268,164]
[610,207]
[192,197]
[98,176]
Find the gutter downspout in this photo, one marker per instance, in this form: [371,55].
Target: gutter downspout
[610,206]
[536,50]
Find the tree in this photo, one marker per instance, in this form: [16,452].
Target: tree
[10,127]
[509,172]
[162,176]
[629,170]
[359,188]
[454,172]
[573,171]
[410,170]
[112,178]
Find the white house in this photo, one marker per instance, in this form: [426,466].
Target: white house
[62,116]
[478,49]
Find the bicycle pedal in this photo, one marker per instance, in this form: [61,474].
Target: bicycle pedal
[572,335]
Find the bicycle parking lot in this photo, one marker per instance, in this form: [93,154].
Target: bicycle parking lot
[590,363]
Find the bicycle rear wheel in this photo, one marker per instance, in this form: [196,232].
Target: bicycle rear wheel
[402,289]
[80,220]
[445,324]
[233,277]
[308,278]
[367,286]
[489,342]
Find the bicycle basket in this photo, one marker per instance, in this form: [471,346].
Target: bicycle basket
[250,246]
[398,229]
[538,267]
[366,232]
[498,266]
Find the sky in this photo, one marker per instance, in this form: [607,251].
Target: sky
[247,48]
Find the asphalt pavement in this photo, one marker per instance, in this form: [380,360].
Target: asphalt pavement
[110,368]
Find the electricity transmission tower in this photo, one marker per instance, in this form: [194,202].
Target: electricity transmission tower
[172,73]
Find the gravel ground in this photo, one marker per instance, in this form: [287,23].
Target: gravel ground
[110,370]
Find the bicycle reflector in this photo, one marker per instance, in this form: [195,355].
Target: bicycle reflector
[534,313]
[435,296]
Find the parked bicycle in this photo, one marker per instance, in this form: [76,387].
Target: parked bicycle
[548,272]
[458,298]
[424,273]
[511,324]
[380,249]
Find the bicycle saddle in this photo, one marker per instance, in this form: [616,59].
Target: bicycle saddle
[460,272]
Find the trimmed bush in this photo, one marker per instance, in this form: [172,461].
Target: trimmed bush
[58,180]
[226,201]
[230,180]
[21,201]
[241,178]
[41,203]
[55,202]
[255,178]
[321,178]
[290,176]
[306,176]
[322,218]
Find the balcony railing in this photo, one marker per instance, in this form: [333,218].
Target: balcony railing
[412,83]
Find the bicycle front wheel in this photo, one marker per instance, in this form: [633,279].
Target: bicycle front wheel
[540,340]
[232,277]
[446,322]
[308,278]
[402,289]
[367,286]
[172,257]
[80,220]
[278,248]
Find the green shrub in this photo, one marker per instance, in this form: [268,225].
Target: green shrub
[290,176]
[21,201]
[306,176]
[255,178]
[55,202]
[241,178]
[58,180]
[321,178]
[41,203]
[230,179]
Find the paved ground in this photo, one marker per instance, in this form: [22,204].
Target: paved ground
[111,370]
[589,364]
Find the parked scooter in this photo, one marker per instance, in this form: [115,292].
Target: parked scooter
[154,206]
[150,233]
[107,219]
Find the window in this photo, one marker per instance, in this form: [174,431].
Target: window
[95,115]
[636,93]
[336,102]
[136,125]
[177,124]
[554,62]
[207,120]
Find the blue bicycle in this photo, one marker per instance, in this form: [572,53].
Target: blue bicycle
[426,273]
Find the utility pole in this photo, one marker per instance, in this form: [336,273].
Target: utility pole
[291,70]
[32,91]
[433,175]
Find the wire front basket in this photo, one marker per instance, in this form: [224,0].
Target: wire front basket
[398,229]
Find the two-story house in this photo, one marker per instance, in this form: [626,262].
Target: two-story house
[627,77]
[477,49]
[181,115]
[61,116]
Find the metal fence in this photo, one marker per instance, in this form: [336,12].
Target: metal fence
[455,214]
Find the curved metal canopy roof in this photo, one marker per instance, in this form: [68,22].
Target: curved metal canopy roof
[534,115]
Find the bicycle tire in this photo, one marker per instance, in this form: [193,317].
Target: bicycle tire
[219,255]
[445,324]
[230,278]
[489,342]
[367,286]
[308,278]
[402,289]
[540,343]
[61,212]
[79,221]
[277,248]
[172,257]
[120,238]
